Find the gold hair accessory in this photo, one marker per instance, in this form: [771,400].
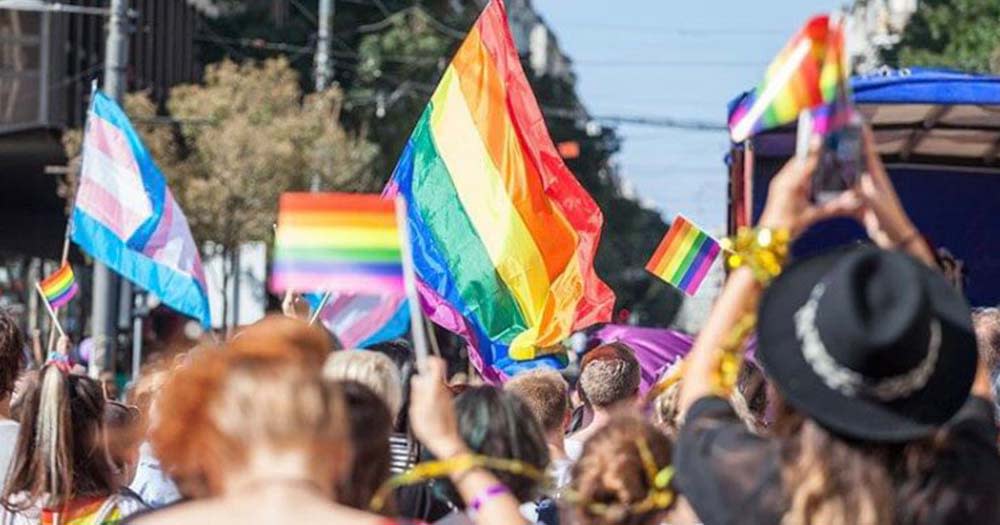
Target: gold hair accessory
[659,497]
[762,250]
[428,470]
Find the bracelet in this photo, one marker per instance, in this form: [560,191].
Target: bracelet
[487,494]
[731,356]
[762,250]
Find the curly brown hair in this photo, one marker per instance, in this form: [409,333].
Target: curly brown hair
[262,389]
[611,472]
[12,358]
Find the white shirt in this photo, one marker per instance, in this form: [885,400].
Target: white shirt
[574,448]
[8,442]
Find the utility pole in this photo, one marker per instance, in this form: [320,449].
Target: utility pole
[104,304]
[324,69]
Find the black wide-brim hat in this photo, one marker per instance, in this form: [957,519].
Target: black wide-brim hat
[858,415]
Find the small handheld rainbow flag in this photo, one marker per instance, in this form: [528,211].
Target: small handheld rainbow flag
[59,287]
[810,73]
[684,256]
[344,242]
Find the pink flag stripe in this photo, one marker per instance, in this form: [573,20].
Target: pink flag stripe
[109,140]
[96,201]
[337,282]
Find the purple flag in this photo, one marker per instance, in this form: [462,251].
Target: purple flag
[655,348]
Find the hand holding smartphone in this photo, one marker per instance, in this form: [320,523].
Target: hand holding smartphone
[840,159]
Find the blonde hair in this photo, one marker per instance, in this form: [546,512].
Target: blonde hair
[546,394]
[832,482]
[372,369]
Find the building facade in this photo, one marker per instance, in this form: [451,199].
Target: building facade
[48,61]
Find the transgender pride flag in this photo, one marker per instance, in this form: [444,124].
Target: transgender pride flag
[126,217]
[362,320]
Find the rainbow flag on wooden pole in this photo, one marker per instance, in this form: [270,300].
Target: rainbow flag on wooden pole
[337,242]
[684,256]
[57,290]
[341,242]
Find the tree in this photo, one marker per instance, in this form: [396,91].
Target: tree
[399,65]
[250,136]
[959,34]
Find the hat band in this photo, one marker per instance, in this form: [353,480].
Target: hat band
[849,382]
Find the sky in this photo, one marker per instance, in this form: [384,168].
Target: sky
[680,59]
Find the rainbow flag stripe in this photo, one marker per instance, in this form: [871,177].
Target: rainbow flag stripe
[60,287]
[503,235]
[337,242]
[809,73]
[684,256]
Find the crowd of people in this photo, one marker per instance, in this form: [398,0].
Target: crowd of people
[869,400]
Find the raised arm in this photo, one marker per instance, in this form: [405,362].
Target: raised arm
[432,416]
[788,209]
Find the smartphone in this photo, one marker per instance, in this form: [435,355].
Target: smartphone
[840,159]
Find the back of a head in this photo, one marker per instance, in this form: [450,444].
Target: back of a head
[59,454]
[371,426]
[260,393]
[498,424]
[12,358]
[613,484]
[546,394]
[372,369]
[610,374]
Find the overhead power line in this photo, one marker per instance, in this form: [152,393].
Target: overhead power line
[663,122]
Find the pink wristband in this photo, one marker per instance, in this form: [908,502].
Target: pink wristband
[487,494]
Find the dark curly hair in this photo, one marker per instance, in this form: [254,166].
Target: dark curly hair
[498,424]
[12,359]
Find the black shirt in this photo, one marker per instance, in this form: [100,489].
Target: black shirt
[730,475]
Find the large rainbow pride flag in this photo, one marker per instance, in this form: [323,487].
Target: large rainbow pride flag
[503,235]
[810,73]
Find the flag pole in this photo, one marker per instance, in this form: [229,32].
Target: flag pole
[410,285]
[48,307]
[65,253]
[319,308]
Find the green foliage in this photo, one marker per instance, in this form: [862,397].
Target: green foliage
[251,136]
[959,34]
[246,135]
[398,69]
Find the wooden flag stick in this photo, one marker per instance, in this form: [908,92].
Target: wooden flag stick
[48,307]
[410,285]
[319,308]
[63,260]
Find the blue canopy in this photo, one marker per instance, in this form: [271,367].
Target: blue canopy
[939,134]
